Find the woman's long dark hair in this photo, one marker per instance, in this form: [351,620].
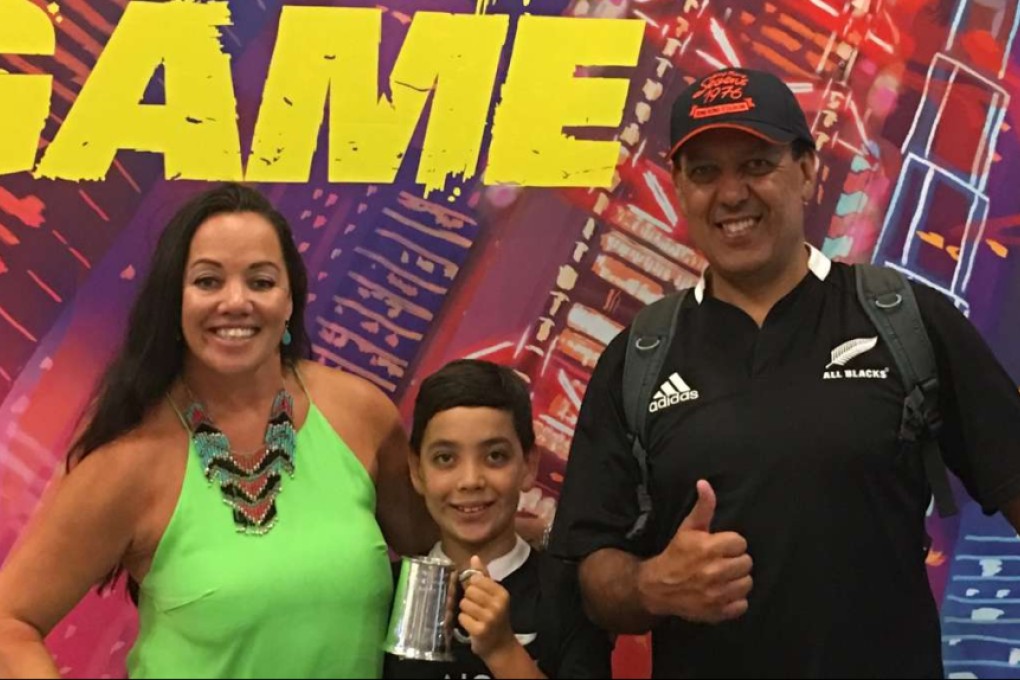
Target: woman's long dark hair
[152,354]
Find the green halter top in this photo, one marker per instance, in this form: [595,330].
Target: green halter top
[308,599]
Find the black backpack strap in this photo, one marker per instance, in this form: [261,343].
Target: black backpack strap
[647,344]
[889,301]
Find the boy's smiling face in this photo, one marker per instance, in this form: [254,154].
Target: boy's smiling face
[471,471]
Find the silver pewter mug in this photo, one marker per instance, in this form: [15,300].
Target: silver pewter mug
[422,620]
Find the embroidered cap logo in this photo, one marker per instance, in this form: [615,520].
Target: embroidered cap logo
[720,94]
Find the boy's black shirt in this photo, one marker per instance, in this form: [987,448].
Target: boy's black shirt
[545,614]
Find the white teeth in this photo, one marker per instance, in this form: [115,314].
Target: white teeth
[738,227]
[470,509]
[235,333]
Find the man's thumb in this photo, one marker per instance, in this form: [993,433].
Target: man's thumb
[700,516]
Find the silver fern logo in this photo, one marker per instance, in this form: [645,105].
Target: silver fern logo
[851,349]
[846,353]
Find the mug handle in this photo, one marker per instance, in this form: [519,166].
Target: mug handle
[466,575]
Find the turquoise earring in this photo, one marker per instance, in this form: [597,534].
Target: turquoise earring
[287,338]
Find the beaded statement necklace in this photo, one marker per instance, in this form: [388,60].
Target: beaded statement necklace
[249,484]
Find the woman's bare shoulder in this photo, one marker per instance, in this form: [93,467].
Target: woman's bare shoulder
[336,391]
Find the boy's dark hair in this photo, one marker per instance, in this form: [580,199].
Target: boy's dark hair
[473,383]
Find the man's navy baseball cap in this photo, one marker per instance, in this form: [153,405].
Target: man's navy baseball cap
[756,102]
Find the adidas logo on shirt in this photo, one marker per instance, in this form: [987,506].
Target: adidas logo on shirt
[672,392]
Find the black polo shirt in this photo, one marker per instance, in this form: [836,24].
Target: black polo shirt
[804,460]
[545,615]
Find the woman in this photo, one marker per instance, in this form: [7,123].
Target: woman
[254,544]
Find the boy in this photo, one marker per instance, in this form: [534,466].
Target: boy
[473,453]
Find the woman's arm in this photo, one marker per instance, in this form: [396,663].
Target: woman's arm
[81,531]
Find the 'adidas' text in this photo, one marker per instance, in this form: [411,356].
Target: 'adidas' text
[671,400]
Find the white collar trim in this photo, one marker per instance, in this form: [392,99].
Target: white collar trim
[501,567]
[818,264]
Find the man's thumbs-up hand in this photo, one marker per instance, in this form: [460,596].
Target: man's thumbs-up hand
[700,576]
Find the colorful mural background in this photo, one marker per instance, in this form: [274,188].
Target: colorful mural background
[913,103]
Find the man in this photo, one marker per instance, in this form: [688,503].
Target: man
[787,534]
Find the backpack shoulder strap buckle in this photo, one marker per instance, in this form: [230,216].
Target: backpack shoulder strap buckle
[646,343]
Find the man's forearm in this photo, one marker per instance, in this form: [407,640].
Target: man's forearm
[612,598]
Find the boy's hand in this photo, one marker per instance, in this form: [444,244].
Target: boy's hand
[485,614]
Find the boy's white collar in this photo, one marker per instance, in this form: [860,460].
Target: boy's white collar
[501,567]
